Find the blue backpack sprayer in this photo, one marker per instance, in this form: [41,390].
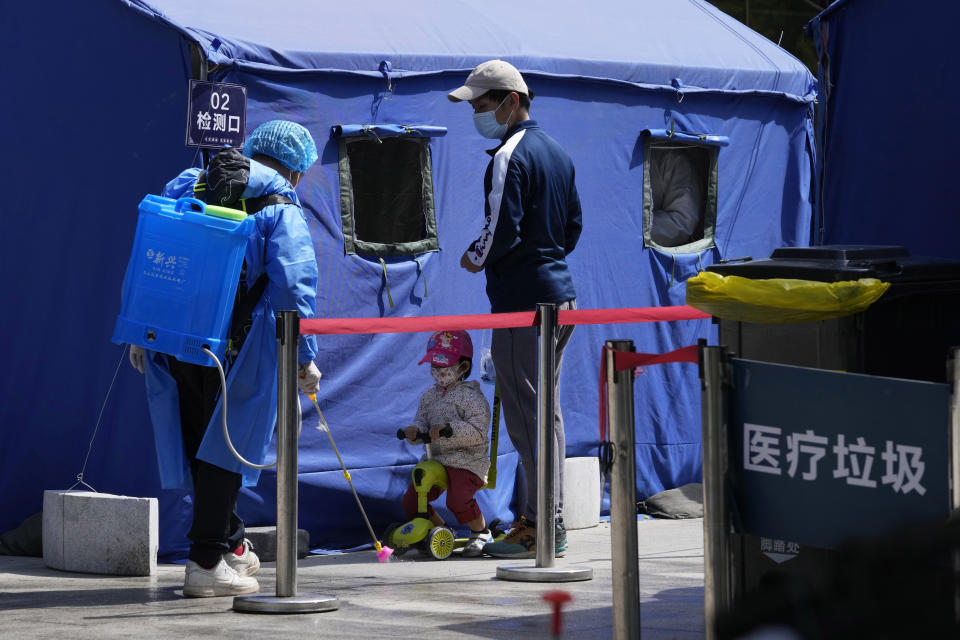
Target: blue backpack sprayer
[181,280]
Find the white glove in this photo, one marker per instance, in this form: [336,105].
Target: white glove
[138,358]
[308,378]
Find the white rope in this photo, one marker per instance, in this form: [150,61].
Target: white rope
[97,426]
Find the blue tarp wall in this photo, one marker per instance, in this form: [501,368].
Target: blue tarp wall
[97,121]
[884,124]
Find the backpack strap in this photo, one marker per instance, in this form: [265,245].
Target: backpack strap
[200,186]
[247,297]
[253,205]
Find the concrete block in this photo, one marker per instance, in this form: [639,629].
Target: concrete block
[92,532]
[581,493]
[264,541]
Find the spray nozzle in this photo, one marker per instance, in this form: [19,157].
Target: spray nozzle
[383,553]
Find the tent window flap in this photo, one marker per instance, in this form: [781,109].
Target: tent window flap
[386,195]
[680,190]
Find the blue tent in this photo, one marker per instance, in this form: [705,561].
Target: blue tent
[884,178]
[99,121]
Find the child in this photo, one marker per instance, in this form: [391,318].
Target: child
[463,407]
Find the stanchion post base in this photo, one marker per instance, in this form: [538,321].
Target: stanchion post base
[303,603]
[533,573]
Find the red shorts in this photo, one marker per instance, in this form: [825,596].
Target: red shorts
[462,485]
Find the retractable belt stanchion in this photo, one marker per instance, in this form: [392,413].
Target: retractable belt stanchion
[717,563]
[288,407]
[544,569]
[623,496]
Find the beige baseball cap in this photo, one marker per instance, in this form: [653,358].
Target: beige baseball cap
[490,75]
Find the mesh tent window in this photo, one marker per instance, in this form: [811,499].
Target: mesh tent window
[680,190]
[386,189]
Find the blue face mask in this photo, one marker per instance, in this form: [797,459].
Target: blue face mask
[487,125]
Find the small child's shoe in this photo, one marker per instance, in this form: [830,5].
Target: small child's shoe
[475,544]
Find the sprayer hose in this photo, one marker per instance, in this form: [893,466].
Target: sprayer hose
[226,432]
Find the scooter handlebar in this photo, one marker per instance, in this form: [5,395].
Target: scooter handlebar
[424,436]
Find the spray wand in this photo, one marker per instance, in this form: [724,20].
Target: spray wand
[383,552]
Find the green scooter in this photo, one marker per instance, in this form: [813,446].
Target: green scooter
[420,532]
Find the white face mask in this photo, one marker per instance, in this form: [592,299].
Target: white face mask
[445,376]
[487,125]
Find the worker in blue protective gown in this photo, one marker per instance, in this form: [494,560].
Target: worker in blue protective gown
[185,400]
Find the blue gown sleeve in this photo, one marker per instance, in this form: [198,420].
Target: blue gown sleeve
[291,266]
[182,185]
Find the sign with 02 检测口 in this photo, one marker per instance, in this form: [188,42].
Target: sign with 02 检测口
[216,114]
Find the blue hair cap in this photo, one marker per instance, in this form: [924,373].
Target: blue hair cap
[286,141]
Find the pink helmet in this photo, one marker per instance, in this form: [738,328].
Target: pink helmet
[445,348]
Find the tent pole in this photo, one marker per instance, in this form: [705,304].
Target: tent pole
[199,64]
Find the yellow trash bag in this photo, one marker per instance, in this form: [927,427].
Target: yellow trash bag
[779,300]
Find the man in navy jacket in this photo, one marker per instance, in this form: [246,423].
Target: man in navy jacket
[532,222]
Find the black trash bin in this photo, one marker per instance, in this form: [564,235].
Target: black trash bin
[906,333]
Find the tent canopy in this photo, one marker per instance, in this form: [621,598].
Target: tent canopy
[662,43]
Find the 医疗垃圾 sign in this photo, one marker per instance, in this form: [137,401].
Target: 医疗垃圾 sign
[821,457]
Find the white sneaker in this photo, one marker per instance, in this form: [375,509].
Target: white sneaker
[246,564]
[475,544]
[221,580]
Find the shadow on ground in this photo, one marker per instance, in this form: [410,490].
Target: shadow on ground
[87,597]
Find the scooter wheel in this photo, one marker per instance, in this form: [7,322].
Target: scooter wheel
[440,543]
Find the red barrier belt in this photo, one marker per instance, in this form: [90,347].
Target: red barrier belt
[620,316]
[422,323]
[495,320]
[629,360]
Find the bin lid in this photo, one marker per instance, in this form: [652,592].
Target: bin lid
[836,263]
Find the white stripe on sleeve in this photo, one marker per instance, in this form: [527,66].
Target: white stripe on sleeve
[501,161]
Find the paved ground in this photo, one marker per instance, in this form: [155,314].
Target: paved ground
[411,597]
